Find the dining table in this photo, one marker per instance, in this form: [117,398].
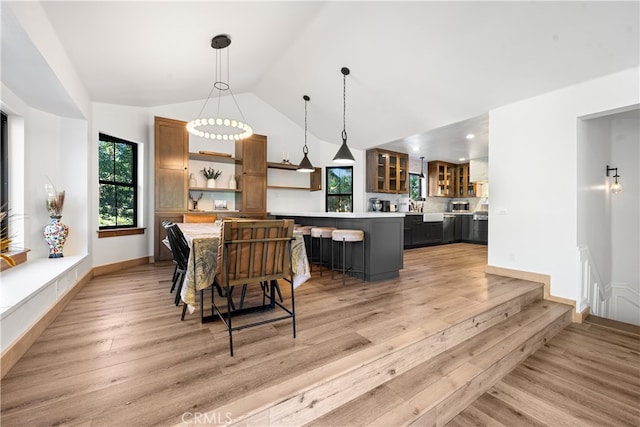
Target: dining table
[203,240]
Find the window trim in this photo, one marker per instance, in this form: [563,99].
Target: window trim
[326,193]
[103,137]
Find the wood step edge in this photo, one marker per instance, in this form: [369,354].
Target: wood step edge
[469,381]
[624,328]
[314,391]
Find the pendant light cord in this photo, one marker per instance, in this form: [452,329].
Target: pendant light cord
[305,149]
[344,107]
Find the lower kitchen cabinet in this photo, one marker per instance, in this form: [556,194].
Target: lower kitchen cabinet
[419,233]
[481,231]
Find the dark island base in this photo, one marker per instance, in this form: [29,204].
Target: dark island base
[383,243]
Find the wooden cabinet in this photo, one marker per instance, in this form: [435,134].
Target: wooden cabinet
[171,150]
[450,180]
[420,233]
[464,187]
[171,165]
[441,179]
[387,172]
[252,152]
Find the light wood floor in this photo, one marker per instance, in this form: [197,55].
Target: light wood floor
[119,355]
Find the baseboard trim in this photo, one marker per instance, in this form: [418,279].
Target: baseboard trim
[117,266]
[19,347]
[545,279]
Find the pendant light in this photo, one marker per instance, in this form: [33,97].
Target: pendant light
[421,167]
[344,156]
[220,128]
[305,164]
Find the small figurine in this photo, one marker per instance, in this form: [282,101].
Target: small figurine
[195,201]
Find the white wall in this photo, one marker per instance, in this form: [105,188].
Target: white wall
[533,175]
[594,232]
[131,124]
[625,221]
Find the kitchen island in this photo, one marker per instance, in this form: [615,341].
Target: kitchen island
[383,237]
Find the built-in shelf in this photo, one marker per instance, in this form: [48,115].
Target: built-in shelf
[315,177]
[223,190]
[213,158]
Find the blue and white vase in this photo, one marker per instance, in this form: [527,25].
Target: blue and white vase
[55,234]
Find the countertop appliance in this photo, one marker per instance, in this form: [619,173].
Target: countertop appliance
[376,204]
[404,204]
[459,205]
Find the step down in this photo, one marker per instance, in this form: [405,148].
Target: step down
[480,350]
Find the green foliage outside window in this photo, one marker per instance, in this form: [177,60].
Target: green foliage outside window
[415,186]
[117,165]
[339,189]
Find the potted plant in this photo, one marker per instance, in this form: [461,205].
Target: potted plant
[211,174]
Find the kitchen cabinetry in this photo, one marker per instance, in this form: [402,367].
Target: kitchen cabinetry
[387,172]
[464,187]
[467,228]
[481,231]
[252,152]
[441,179]
[315,177]
[420,233]
[450,180]
[171,149]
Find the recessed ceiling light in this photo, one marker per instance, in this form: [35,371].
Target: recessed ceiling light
[416,148]
[461,159]
[470,136]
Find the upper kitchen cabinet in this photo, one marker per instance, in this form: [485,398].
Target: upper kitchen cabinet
[252,152]
[465,187]
[441,176]
[171,165]
[387,172]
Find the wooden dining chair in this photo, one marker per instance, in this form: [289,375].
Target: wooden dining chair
[199,217]
[257,252]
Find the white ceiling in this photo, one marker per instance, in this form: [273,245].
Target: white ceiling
[415,66]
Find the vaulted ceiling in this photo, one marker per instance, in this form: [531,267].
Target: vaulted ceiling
[415,66]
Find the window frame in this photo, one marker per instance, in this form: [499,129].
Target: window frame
[326,193]
[103,137]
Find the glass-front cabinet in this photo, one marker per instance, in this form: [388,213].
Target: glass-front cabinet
[450,180]
[387,171]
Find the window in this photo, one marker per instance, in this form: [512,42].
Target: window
[117,175]
[340,189]
[415,186]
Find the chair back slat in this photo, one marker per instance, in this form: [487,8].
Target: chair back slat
[254,251]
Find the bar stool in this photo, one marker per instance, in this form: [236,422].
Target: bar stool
[345,236]
[319,234]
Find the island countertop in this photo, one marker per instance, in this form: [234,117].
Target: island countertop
[383,238]
[341,214]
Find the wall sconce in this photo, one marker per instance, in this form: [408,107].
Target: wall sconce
[616,187]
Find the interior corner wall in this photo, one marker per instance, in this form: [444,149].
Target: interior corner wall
[625,220]
[533,175]
[594,214]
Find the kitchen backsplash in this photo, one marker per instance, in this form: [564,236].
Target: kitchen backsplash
[430,204]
